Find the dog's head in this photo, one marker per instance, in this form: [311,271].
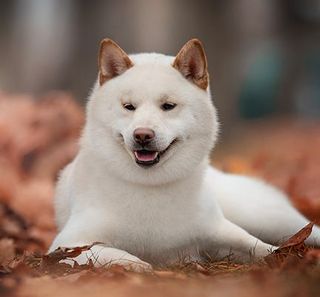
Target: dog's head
[150,116]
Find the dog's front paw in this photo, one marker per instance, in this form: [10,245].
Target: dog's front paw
[102,256]
[134,264]
[108,257]
[262,250]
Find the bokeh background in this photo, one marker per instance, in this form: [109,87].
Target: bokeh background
[264,55]
[264,63]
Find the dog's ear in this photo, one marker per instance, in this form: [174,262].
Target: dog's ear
[112,60]
[191,62]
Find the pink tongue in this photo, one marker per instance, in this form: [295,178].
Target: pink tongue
[145,157]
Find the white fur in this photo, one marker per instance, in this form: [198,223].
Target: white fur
[180,207]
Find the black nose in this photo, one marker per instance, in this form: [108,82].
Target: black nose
[143,135]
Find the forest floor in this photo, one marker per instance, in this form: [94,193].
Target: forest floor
[38,137]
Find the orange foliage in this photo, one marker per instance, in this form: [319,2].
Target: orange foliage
[39,136]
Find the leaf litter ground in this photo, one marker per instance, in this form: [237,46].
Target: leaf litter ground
[38,137]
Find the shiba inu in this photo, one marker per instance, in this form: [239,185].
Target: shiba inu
[141,184]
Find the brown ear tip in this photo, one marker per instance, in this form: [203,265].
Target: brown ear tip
[106,41]
[196,42]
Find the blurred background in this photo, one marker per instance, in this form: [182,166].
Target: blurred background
[264,64]
[264,55]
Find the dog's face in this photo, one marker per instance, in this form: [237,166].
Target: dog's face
[150,116]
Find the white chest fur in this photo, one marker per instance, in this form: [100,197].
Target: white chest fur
[150,222]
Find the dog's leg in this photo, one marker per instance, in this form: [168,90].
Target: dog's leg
[79,232]
[230,239]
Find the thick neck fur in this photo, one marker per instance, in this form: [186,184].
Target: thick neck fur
[98,170]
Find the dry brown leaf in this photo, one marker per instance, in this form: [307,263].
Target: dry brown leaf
[63,253]
[299,237]
[292,250]
[7,251]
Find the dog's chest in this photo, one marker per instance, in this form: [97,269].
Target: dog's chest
[153,224]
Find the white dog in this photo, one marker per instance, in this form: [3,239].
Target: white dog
[141,183]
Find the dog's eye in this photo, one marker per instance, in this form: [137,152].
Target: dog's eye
[129,106]
[168,106]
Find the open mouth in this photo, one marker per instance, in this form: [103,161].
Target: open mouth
[147,158]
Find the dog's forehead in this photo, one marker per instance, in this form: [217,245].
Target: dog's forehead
[152,67]
[151,59]
[151,77]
